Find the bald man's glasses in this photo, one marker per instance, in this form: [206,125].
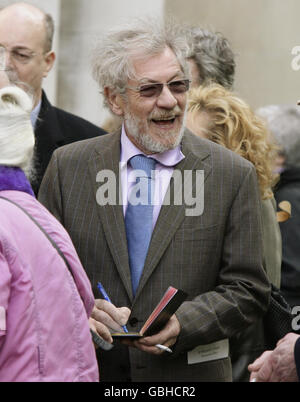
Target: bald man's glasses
[19,55]
[176,87]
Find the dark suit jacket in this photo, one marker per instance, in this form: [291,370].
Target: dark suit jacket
[216,257]
[54,128]
[288,189]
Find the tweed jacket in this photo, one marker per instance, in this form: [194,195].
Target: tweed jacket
[288,189]
[215,257]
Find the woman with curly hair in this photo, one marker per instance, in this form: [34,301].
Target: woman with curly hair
[218,115]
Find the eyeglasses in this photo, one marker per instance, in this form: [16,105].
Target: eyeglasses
[18,55]
[176,87]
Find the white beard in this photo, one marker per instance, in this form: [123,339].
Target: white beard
[134,127]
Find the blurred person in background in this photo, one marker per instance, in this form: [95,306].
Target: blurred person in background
[26,36]
[210,57]
[284,124]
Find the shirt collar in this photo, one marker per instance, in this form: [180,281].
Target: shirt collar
[168,158]
[34,114]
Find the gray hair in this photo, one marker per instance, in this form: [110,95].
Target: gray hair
[112,57]
[49,26]
[213,56]
[283,122]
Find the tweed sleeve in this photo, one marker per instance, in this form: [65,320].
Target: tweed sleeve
[241,294]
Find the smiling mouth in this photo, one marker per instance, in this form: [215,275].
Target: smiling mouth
[165,121]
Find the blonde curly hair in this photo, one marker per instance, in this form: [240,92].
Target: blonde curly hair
[230,122]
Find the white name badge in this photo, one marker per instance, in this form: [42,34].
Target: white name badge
[206,353]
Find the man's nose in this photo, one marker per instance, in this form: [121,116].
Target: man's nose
[9,62]
[166,99]
[6,60]
[4,80]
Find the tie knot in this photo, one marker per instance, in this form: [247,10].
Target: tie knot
[141,162]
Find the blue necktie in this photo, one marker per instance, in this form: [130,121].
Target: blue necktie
[139,217]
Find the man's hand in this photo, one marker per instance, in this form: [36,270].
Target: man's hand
[167,337]
[261,369]
[105,315]
[278,365]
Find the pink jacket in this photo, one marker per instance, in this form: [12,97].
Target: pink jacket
[44,332]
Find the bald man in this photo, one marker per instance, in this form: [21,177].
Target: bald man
[26,35]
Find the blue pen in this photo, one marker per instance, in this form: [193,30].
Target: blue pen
[105,295]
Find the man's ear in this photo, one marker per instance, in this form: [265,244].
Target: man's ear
[115,101]
[49,60]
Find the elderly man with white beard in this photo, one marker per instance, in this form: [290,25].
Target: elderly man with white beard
[138,250]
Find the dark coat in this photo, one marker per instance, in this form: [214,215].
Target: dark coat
[288,189]
[55,128]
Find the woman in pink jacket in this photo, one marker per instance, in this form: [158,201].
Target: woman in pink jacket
[44,305]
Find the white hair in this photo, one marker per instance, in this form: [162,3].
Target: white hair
[213,55]
[283,121]
[142,37]
[16,132]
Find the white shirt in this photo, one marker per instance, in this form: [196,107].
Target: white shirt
[163,172]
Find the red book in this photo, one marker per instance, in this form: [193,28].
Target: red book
[167,306]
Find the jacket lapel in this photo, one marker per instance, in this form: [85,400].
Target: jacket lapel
[171,216]
[106,158]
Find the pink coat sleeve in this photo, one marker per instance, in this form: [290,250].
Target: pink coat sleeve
[5,279]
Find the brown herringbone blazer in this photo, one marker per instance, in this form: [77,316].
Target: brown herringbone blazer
[216,257]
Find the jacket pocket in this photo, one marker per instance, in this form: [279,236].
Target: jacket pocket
[198,233]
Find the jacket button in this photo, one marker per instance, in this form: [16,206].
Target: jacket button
[133,321]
